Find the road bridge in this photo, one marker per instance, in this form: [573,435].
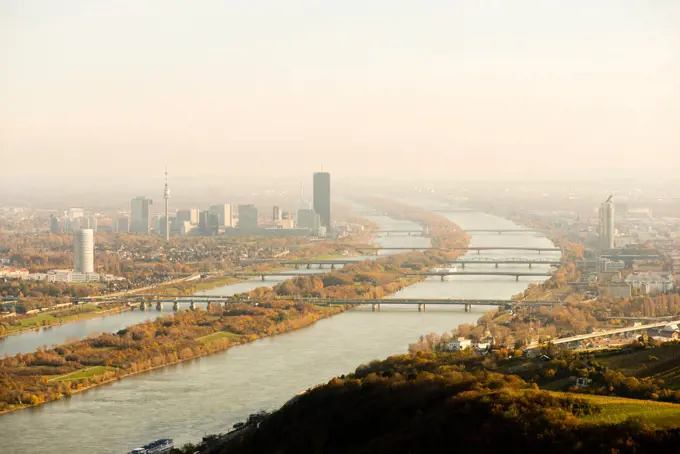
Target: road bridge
[332,263]
[264,274]
[502,231]
[515,274]
[469,248]
[467,303]
[497,262]
[409,232]
[612,332]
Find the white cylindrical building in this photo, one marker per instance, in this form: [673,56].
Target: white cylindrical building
[83,251]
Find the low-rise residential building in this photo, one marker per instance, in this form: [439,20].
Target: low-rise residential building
[615,290]
[71,276]
[13,273]
[459,344]
[651,283]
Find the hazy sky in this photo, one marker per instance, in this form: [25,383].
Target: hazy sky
[475,89]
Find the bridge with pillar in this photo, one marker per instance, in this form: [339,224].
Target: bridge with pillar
[405,232]
[309,263]
[496,262]
[263,274]
[515,274]
[467,249]
[502,231]
[467,303]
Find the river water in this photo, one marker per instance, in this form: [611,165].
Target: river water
[209,394]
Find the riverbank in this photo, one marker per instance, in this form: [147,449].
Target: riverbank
[192,334]
[48,320]
[205,344]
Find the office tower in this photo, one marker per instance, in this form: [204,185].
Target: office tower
[209,223]
[123,224]
[247,217]
[83,251]
[55,226]
[606,226]
[88,222]
[157,223]
[166,195]
[195,215]
[287,220]
[140,215]
[183,216]
[309,219]
[322,198]
[223,213]
[276,215]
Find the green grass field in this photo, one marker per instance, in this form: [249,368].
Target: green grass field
[618,409]
[220,335]
[53,318]
[661,362]
[84,373]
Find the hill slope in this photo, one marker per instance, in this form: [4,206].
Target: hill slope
[427,403]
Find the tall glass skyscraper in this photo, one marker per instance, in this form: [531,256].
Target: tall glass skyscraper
[322,198]
[141,215]
[606,227]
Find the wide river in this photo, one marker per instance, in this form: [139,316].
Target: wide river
[208,395]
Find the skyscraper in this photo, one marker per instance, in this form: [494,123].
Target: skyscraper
[606,226]
[83,251]
[166,195]
[322,198]
[309,219]
[223,213]
[140,215]
[123,224]
[55,226]
[276,215]
[247,217]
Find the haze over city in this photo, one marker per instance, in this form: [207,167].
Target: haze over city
[101,93]
[339,227]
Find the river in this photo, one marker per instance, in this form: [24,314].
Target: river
[209,394]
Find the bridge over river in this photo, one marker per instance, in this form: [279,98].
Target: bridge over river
[478,249]
[191,301]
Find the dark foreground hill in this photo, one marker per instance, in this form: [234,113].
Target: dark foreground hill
[429,404]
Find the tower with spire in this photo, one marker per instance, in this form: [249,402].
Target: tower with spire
[166,194]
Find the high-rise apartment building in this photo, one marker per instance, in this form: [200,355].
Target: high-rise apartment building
[141,215]
[195,215]
[209,223]
[606,225]
[223,213]
[123,224]
[55,224]
[309,219]
[322,198]
[83,251]
[247,217]
[276,215]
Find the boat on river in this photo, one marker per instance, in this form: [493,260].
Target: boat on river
[447,269]
[155,447]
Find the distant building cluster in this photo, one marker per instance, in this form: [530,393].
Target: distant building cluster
[228,219]
[83,265]
[306,219]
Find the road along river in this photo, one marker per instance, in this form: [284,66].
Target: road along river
[209,394]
